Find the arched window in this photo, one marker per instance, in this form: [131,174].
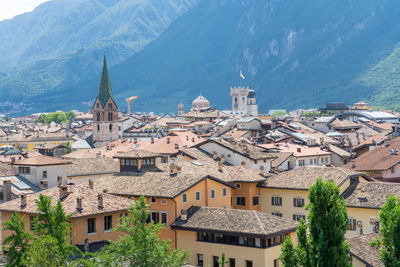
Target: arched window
[110,116]
[98,116]
[110,127]
[98,105]
[98,127]
[109,105]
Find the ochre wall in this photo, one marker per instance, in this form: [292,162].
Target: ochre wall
[261,257]
[247,190]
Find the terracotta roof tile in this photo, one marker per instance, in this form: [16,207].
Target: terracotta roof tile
[361,249]
[41,160]
[92,166]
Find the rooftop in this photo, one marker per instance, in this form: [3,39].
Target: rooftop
[235,221]
[41,160]
[361,249]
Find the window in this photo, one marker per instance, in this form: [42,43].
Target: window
[302,162]
[110,127]
[392,170]
[164,159]
[197,196]
[215,261]
[163,201]
[164,217]
[256,200]
[297,217]
[98,105]
[32,223]
[23,169]
[107,223]
[276,201]
[237,186]
[249,263]
[109,105]
[110,116]
[44,174]
[155,217]
[224,192]
[200,260]
[184,198]
[298,202]
[311,161]
[278,214]
[212,193]
[98,116]
[240,201]
[91,222]
[374,225]
[352,224]
[153,200]
[276,263]
[98,127]
[257,242]
[232,262]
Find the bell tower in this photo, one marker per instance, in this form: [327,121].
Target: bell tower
[105,112]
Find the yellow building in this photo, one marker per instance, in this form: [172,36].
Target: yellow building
[248,238]
[93,214]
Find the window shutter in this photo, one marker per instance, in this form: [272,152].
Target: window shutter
[272,200]
[294,202]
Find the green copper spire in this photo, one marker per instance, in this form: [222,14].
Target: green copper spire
[105,91]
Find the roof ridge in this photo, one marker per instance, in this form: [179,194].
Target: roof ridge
[259,221]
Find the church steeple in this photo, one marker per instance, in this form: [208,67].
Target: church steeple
[105,90]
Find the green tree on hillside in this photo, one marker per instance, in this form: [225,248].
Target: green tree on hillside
[57,117]
[388,241]
[323,244]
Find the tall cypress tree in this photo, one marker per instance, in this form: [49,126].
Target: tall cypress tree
[325,245]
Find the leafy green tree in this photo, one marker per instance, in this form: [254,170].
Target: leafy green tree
[141,245]
[279,113]
[45,252]
[17,244]
[388,241]
[288,256]
[223,260]
[54,222]
[70,115]
[324,245]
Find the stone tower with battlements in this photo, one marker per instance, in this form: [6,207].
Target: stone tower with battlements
[244,101]
[105,112]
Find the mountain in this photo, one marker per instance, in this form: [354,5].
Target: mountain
[61,42]
[294,53]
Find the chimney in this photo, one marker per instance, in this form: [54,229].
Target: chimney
[243,164]
[220,166]
[173,170]
[222,158]
[135,140]
[90,183]
[168,140]
[262,171]
[299,149]
[44,184]
[79,204]
[184,215]
[23,200]
[59,180]
[12,160]
[86,246]
[63,191]
[6,190]
[105,191]
[100,201]
[193,139]
[152,140]
[214,155]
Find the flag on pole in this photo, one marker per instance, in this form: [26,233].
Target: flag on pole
[241,75]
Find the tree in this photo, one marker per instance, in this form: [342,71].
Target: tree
[288,256]
[388,241]
[17,244]
[325,244]
[223,260]
[45,252]
[52,221]
[70,115]
[279,113]
[140,246]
